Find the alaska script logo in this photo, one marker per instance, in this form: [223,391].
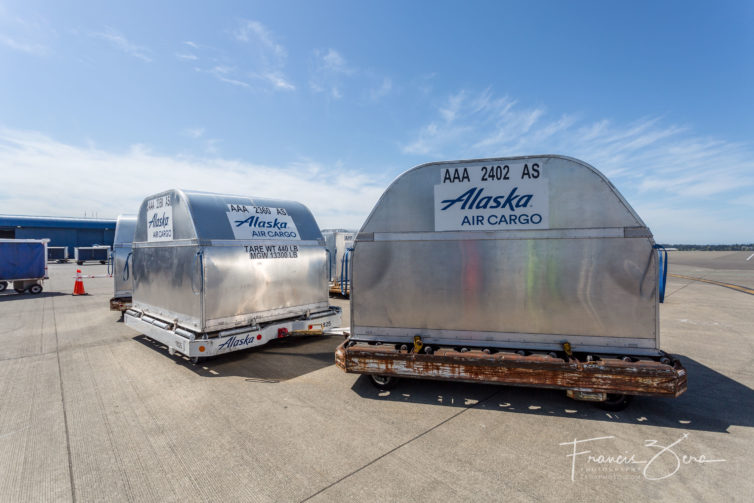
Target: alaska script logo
[234,342]
[472,200]
[158,222]
[255,221]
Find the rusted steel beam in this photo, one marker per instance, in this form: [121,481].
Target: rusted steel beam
[335,288]
[120,304]
[542,371]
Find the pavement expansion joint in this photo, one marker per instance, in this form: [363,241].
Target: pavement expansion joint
[407,442]
[65,413]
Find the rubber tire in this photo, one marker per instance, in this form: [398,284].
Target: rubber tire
[3,285]
[615,402]
[103,262]
[383,383]
[20,290]
[80,262]
[35,289]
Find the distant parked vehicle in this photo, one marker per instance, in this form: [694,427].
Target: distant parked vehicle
[97,253]
[58,254]
[23,264]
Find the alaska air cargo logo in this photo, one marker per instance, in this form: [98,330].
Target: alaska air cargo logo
[471,199]
[158,222]
[261,222]
[159,219]
[497,197]
[254,221]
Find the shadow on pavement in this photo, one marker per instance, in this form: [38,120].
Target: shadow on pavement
[7,295]
[278,360]
[713,402]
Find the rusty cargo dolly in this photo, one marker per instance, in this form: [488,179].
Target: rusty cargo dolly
[611,381]
[527,271]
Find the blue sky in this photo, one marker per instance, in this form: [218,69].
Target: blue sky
[103,103]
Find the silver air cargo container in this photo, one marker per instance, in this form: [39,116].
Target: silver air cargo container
[496,269]
[339,243]
[120,257]
[96,253]
[217,273]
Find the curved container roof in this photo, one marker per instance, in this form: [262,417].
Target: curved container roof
[524,252]
[185,214]
[125,228]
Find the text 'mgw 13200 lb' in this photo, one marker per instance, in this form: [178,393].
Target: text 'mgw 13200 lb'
[530,271]
[219,273]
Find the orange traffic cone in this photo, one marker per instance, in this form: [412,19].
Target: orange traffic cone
[78,287]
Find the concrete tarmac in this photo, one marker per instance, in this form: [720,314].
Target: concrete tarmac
[92,411]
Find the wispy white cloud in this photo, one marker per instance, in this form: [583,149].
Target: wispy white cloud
[331,74]
[195,133]
[267,56]
[277,80]
[34,164]
[187,56]
[647,159]
[256,32]
[333,62]
[29,33]
[328,71]
[382,90]
[226,74]
[120,42]
[18,45]
[262,65]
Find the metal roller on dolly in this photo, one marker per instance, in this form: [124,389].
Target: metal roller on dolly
[528,271]
[218,273]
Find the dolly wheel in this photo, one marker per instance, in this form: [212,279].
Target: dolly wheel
[383,383]
[196,359]
[35,289]
[615,403]
[3,285]
[20,290]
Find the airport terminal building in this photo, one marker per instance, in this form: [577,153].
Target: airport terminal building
[61,231]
